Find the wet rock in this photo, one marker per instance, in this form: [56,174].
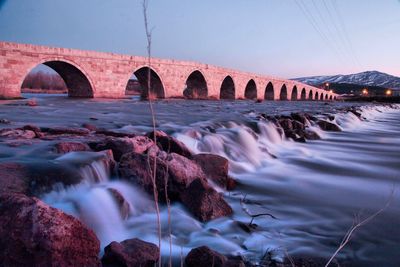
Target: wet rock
[65,147]
[13,178]
[298,125]
[216,168]
[170,144]
[90,127]
[35,129]
[300,117]
[204,202]
[204,256]
[34,234]
[32,103]
[68,131]
[114,133]
[328,126]
[4,121]
[17,133]
[234,263]
[138,168]
[286,124]
[130,253]
[124,207]
[121,146]
[310,135]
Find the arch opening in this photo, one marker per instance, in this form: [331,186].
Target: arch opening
[251,90]
[196,86]
[138,84]
[331,97]
[303,95]
[227,90]
[283,93]
[316,96]
[269,92]
[310,95]
[293,97]
[321,97]
[326,97]
[57,77]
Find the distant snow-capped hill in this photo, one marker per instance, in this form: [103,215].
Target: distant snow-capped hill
[367,78]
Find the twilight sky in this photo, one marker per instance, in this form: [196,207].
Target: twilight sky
[287,38]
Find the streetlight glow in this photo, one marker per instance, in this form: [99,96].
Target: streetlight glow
[388,92]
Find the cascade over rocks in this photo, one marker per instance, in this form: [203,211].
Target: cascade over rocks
[130,253]
[123,205]
[34,234]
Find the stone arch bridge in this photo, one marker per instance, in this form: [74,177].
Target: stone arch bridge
[106,75]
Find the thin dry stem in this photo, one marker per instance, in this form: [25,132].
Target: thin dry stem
[357,223]
[155,192]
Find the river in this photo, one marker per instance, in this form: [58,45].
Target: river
[313,189]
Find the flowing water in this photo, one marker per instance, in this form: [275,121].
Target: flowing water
[313,190]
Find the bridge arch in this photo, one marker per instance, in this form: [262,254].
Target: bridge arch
[250,91]
[293,97]
[227,90]
[303,95]
[321,96]
[330,97]
[196,86]
[316,97]
[76,79]
[283,95]
[269,93]
[310,95]
[141,74]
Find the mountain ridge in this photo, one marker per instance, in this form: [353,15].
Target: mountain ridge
[366,78]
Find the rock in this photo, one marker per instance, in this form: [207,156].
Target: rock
[34,234]
[4,121]
[310,135]
[286,124]
[121,146]
[65,147]
[114,134]
[298,125]
[204,256]
[204,202]
[130,253]
[124,207]
[300,117]
[13,178]
[182,172]
[35,129]
[170,144]
[328,126]
[138,168]
[68,130]
[17,133]
[234,263]
[31,103]
[216,168]
[90,127]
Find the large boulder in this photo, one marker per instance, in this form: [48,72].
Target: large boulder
[204,256]
[215,168]
[172,171]
[170,144]
[204,202]
[13,178]
[34,234]
[328,126]
[17,133]
[123,145]
[130,253]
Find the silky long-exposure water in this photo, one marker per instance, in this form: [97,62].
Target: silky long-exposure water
[313,189]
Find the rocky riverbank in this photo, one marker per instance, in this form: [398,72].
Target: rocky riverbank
[35,234]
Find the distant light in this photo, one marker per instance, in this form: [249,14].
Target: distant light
[331,91]
[327,84]
[365,91]
[388,92]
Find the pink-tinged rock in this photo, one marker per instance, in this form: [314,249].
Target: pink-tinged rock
[130,253]
[17,133]
[204,202]
[216,168]
[170,144]
[123,205]
[121,146]
[65,147]
[114,133]
[34,234]
[204,256]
